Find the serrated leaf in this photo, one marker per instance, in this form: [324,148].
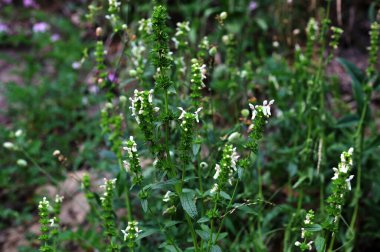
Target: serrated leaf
[188,204]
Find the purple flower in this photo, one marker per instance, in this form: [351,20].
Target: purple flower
[7,1]
[112,77]
[55,37]
[3,28]
[40,27]
[29,3]
[253,6]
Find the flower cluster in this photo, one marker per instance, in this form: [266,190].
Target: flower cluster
[187,133]
[225,170]
[198,74]
[229,41]
[180,37]
[306,235]
[145,27]
[373,48]
[133,163]
[336,34]
[142,109]
[341,184]
[107,207]
[160,52]
[131,232]
[111,125]
[312,35]
[54,222]
[204,47]
[138,60]
[260,114]
[113,16]
[100,66]
[43,211]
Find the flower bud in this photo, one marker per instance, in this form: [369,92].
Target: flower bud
[22,163]
[233,136]
[99,31]
[56,153]
[212,51]
[132,73]
[9,145]
[223,15]
[18,133]
[123,99]
[244,112]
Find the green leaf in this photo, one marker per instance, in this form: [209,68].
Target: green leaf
[144,205]
[215,248]
[319,243]
[147,233]
[313,228]
[161,184]
[225,195]
[203,234]
[188,204]
[196,148]
[347,121]
[357,78]
[171,223]
[203,220]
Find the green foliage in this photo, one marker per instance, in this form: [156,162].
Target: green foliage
[213,176]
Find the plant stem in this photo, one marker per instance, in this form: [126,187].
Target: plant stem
[228,207]
[42,170]
[359,135]
[212,222]
[127,200]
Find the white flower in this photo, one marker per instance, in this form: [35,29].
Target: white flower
[234,158]
[217,171]
[56,153]
[182,114]
[58,199]
[167,196]
[214,188]
[8,145]
[266,107]
[52,222]
[336,174]
[150,97]
[176,42]
[203,71]
[297,243]
[254,111]
[18,133]
[196,114]
[22,162]
[309,245]
[203,165]
[351,151]
[303,232]
[348,181]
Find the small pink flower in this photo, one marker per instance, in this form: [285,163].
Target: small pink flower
[40,27]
